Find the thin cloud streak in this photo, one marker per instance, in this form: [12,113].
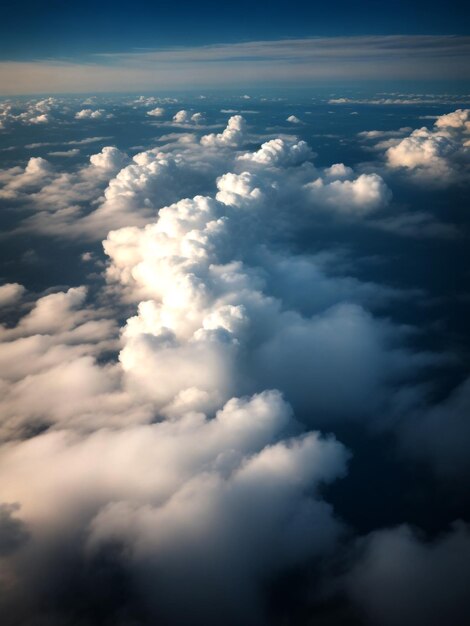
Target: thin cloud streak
[279,62]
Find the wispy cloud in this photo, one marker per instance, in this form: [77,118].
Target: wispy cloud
[266,62]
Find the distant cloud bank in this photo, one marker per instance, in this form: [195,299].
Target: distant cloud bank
[397,57]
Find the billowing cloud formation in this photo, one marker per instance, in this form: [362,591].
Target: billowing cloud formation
[439,154]
[36,112]
[113,191]
[103,475]
[280,152]
[157,470]
[233,136]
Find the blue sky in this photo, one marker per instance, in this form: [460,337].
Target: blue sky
[66,29]
[110,46]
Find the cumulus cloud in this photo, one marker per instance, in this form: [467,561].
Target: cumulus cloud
[10,293]
[157,112]
[293,119]
[233,135]
[89,114]
[362,195]
[280,152]
[110,159]
[207,308]
[242,494]
[439,154]
[170,470]
[32,112]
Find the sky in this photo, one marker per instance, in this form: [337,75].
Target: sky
[58,29]
[62,47]
[234,303]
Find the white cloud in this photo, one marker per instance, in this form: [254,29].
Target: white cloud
[280,152]
[293,119]
[157,112]
[10,293]
[366,193]
[182,117]
[232,136]
[438,155]
[89,114]
[173,437]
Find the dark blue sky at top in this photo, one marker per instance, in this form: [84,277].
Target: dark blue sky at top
[57,28]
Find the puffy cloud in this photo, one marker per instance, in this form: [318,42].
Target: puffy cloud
[110,159]
[157,112]
[186,118]
[366,193]
[280,152]
[293,119]
[48,368]
[89,114]
[203,310]
[10,293]
[457,119]
[197,118]
[32,112]
[233,135]
[440,154]
[163,460]
[338,170]
[182,117]
[402,579]
[244,494]
[17,180]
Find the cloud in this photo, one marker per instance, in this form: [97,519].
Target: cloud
[402,579]
[12,530]
[203,310]
[10,293]
[285,61]
[157,112]
[280,152]
[232,136]
[418,224]
[440,434]
[243,494]
[160,432]
[182,117]
[73,152]
[293,119]
[438,155]
[110,159]
[400,100]
[33,112]
[89,114]
[367,193]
